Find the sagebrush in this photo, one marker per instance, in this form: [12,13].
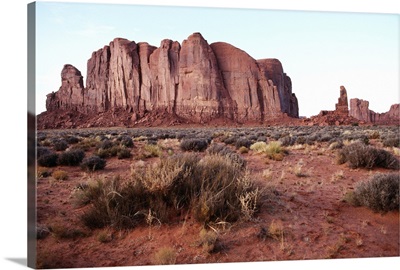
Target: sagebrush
[210,188]
[380,193]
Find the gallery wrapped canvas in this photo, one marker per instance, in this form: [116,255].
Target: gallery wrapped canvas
[201,136]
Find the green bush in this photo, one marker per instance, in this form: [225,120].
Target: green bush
[380,193]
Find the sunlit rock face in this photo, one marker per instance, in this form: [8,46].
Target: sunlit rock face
[195,81]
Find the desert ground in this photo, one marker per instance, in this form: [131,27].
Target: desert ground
[304,210]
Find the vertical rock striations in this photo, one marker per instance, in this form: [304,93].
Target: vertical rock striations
[71,93]
[195,81]
[342,107]
[359,109]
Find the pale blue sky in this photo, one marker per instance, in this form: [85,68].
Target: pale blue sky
[319,50]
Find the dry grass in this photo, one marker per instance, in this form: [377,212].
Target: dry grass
[273,150]
[276,230]
[339,175]
[211,188]
[165,256]
[207,240]
[60,175]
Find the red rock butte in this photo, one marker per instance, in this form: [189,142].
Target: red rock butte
[359,113]
[195,82]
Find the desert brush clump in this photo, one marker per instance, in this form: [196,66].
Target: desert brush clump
[71,158]
[165,256]
[273,150]
[112,203]
[48,159]
[359,155]
[210,188]
[60,175]
[151,150]
[126,141]
[61,231]
[243,142]
[60,145]
[207,240]
[392,141]
[86,144]
[288,140]
[194,144]
[223,150]
[380,192]
[117,150]
[93,163]
[124,152]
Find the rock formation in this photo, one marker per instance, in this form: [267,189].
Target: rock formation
[71,93]
[359,113]
[340,116]
[342,107]
[193,81]
[359,109]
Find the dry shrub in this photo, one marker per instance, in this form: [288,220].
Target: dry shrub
[207,240]
[243,150]
[223,150]
[165,256]
[243,142]
[392,141]
[112,203]
[380,193]
[60,145]
[124,153]
[194,144]
[43,172]
[60,175]
[151,150]
[93,163]
[48,160]
[276,230]
[61,231]
[71,158]
[211,188]
[273,150]
[259,147]
[226,192]
[359,155]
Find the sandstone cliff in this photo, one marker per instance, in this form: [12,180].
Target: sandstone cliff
[359,109]
[195,81]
